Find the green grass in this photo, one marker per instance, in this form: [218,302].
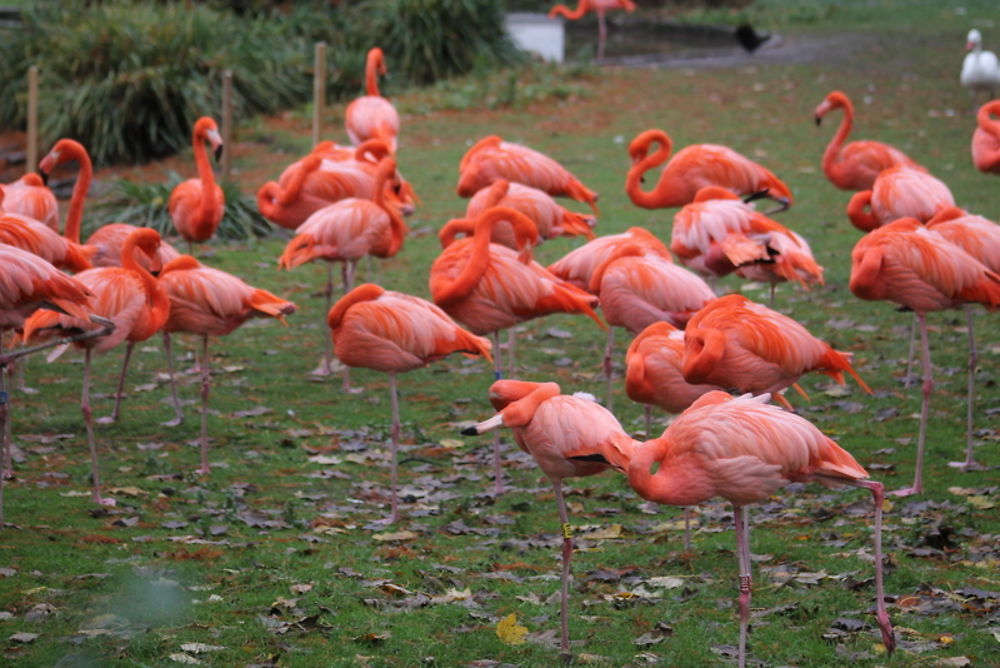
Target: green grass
[324,536]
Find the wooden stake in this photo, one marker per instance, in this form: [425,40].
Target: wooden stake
[227,124]
[32,157]
[319,90]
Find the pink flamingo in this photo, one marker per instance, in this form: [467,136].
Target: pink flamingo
[209,302]
[693,168]
[130,297]
[568,436]
[911,265]
[743,450]
[736,343]
[372,116]
[856,165]
[986,139]
[30,197]
[196,206]
[394,332]
[599,7]
[492,158]
[899,192]
[578,265]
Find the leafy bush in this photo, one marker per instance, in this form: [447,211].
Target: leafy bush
[145,204]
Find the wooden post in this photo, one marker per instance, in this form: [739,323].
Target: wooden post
[319,90]
[32,152]
[227,124]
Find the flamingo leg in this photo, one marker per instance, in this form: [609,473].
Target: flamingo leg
[602,34]
[511,339]
[687,528]
[88,419]
[497,463]
[881,615]
[394,434]
[970,463]
[178,413]
[609,351]
[567,555]
[116,411]
[648,409]
[773,288]
[741,519]
[907,379]
[206,383]
[324,366]
[925,407]
[4,436]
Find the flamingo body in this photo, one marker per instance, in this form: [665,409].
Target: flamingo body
[37,238]
[28,282]
[372,116]
[691,169]
[196,206]
[551,219]
[899,192]
[653,370]
[579,264]
[30,197]
[855,165]
[491,158]
[986,139]
[736,343]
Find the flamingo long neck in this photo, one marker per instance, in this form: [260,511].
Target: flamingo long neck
[864,220]
[519,413]
[150,285]
[623,250]
[572,14]
[386,168]
[209,198]
[985,118]
[832,152]
[647,199]
[372,67]
[365,292]
[479,255]
[297,180]
[647,483]
[74,218]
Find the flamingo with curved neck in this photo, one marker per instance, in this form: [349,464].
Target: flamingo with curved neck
[129,296]
[372,116]
[196,206]
[599,7]
[856,165]
[68,150]
[986,139]
[693,168]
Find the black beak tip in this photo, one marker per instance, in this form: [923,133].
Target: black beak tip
[470,431]
[44,176]
[218,154]
[819,119]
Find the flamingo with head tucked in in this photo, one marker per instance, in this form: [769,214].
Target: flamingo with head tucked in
[372,116]
[578,265]
[693,168]
[986,139]
[394,332]
[899,192]
[492,158]
[30,197]
[854,166]
[196,206]
[599,7]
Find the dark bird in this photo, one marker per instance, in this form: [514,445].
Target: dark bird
[748,37]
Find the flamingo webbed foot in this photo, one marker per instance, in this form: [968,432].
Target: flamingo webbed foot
[173,422]
[906,491]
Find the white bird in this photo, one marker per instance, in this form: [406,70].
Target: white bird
[980,69]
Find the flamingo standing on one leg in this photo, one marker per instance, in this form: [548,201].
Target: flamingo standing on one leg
[599,7]
[489,287]
[636,289]
[980,238]
[986,139]
[693,168]
[130,297]
[736,343]
[492,158]
[856,165]
[393,332]
[568,436]
[209,302]
[196,206]
[899,192]
[30,197]
[344,232]
[743,450]
[911,265]
[372,116]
